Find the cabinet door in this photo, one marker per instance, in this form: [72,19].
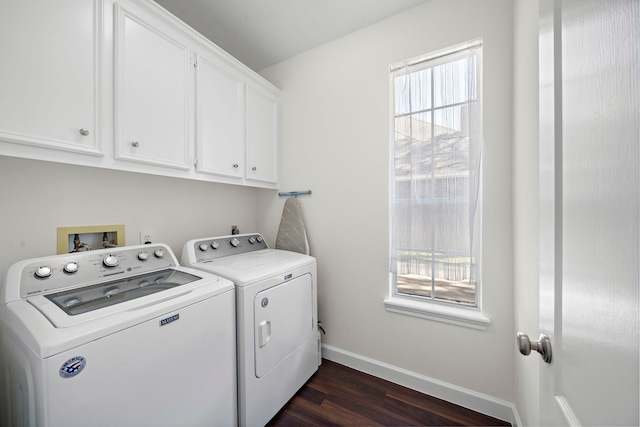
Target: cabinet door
[152,90]
[49,88]
[219,120]
[262,136]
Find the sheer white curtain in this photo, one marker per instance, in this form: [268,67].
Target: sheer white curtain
[436,174]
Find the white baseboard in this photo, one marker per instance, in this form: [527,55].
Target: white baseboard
[478,402]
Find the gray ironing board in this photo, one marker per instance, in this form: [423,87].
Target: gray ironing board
[292,235]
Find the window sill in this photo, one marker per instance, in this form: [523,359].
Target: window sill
[461,316]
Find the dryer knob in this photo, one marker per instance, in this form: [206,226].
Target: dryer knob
[259,239]
[234,242]
[252,240]
[203,247]
[111,261]
[159,253]
[143,256]
[215,245]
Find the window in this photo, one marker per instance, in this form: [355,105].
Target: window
[435,189]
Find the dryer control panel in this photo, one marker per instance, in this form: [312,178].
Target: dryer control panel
[47,274]
[202,250]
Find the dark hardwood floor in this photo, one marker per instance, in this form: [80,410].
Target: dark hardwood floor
[340,396]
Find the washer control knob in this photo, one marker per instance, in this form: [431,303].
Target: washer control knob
[259,239]
[252,240]
[159,253]
[215,245]
[234,242]
[71,267]
[203,247]
[142,256]
[111,261]
[43,272]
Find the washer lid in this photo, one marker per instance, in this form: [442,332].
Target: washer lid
[127,299]
[89,298]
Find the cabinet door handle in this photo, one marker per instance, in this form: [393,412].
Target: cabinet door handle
[135,144]
[84,132]
[235,165]
[254,168]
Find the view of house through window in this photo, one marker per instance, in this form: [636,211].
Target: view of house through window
[435,176]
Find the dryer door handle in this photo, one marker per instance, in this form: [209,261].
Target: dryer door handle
[264,333]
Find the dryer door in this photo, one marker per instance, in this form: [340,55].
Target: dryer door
[283,317]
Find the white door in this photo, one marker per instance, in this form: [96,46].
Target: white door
[283,317]
[590,198]
[49,74]
[153,79]
[262,135]
[219,119]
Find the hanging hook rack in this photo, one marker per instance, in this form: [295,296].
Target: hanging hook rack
[294,193]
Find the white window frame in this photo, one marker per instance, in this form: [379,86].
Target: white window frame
[433,309]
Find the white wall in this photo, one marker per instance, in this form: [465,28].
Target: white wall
[526,204]
[37,197]
[334,141]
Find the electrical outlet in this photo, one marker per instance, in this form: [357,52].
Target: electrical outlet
[145,237]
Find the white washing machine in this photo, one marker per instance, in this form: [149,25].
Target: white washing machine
[116,337]
[276,307]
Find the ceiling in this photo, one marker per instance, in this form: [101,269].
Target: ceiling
[261,33]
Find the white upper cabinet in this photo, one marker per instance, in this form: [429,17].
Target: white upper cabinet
[49,88]
[219,119]
[125,85]
[152,89]
[262,134]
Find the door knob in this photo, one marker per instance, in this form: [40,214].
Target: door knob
[542,346]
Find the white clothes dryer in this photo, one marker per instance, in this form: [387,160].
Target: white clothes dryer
[116,337]
[276,307]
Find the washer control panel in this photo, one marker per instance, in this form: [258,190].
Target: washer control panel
[222,246]
[43,275]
